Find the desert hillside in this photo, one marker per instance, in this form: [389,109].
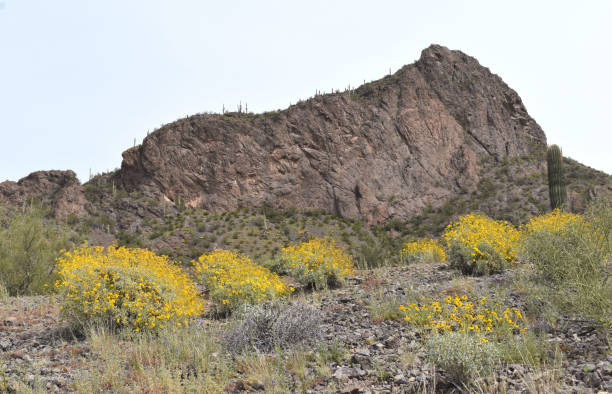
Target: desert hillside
[415,234]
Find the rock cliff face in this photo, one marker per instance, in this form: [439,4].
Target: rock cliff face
[59,190]
[385,150]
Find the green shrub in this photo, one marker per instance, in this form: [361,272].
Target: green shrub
[371,254]
[599,214]
[28,249]
[528,348]
[129,240]
[72,219]
[572,266]
[275,265]
[562,256]
[462,356]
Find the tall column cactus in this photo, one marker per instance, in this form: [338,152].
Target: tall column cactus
[556,185]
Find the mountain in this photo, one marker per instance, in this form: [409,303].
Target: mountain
[385,150]
[406,153]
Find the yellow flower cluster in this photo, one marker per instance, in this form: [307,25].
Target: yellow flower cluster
[463,314]
[233,280]
[423,250]
[554,221]
[487,240]
[132,288]
[318,262]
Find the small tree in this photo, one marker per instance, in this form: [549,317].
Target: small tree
[29,246]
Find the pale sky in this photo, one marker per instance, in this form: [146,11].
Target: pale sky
[81,79]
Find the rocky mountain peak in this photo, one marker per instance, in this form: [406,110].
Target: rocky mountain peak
[385,150]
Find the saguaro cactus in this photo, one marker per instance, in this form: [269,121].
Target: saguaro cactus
[556,185]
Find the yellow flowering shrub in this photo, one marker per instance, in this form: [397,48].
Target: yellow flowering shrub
[423,250]
[463,314]
[554,221]
[478,244]
[318,262]
[233,280]
[132,288]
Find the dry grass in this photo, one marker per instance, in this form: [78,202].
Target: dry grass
[193,360]
[188,360]
[462,285]
[384,307]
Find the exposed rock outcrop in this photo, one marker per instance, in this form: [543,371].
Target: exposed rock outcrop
[387,149]
[59,190]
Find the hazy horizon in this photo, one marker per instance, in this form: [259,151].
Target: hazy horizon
[80,80]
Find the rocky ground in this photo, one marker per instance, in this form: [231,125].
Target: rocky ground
[386,356]
[37,343]
[380,354]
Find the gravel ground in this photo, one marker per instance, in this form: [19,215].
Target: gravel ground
[36,343]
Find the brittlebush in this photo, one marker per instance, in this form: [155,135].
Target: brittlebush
[551,222]
[477,244]
[319,263]
[423,251]
[463,314]
[233,280]
[125,287]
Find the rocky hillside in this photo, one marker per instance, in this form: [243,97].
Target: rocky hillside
[404,154]
[385,150]
[365,347]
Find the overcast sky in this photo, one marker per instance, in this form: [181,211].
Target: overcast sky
[81,79]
